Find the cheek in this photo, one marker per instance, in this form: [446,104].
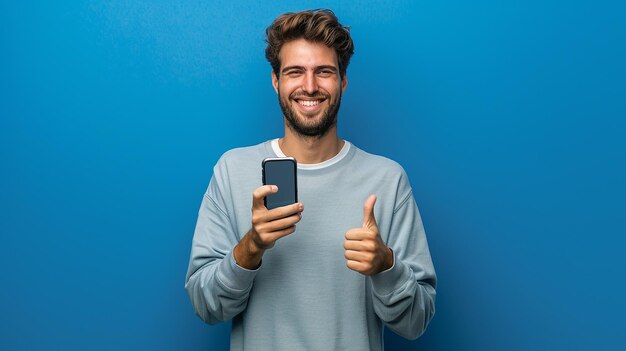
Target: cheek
[335,92]
[285,97]
[286,91]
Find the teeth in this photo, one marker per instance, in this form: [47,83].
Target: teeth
[308,103]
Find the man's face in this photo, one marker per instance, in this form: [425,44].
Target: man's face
[309,87]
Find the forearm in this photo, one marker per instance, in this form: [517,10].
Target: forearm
[219,290]
[217,287]
[404,296]
[404,299]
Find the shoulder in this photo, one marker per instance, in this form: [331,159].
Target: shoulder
[241,160]
[378,164]
[387,175]
[243,153]
[243,156]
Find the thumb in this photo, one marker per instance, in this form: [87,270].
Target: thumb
[369,220]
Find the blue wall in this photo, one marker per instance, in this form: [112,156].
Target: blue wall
[509,117]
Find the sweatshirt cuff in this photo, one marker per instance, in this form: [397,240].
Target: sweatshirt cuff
[386,282]
[234,277]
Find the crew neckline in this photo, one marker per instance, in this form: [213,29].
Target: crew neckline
[312,166]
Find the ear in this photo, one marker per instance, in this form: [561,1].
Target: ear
[275,81]
[344,83]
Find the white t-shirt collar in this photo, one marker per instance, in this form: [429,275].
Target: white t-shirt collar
[342,153]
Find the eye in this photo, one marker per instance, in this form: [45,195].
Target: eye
[293,73]
[326,73]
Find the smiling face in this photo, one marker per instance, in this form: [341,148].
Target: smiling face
[309,87]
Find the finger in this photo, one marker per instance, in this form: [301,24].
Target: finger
[281,233]
[279,224]
[359,234]
[369,221]
[357,266]
[359,245]
[260,193]
[284,211]
[358,256]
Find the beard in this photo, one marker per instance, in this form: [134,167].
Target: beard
[311,129]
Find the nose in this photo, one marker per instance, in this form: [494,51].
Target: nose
[309,85]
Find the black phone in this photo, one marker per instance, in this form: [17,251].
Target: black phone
[282,172]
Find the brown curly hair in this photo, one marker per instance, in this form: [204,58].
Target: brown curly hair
[318,26]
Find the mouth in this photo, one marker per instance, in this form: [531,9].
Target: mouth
[309,104]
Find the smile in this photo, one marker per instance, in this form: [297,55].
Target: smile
[309,103]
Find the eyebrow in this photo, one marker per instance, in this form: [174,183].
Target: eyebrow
[331,67]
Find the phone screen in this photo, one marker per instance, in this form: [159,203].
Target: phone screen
[282,173]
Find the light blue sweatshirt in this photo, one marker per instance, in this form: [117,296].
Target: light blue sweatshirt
[303,297]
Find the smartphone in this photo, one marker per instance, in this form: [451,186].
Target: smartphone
[280,171]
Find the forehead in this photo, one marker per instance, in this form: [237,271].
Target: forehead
[301,52]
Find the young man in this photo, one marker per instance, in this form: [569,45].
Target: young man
[328,272]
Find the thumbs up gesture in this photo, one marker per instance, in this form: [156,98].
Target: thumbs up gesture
[364,249]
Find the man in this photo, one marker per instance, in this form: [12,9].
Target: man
[327,272]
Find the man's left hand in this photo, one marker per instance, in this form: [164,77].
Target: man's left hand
[364,249]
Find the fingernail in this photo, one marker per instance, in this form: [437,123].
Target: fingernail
[274,188]
[300,207]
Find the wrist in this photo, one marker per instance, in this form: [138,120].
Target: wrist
[252,248]
[389,259]
[247,254]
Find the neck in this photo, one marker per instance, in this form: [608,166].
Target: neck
[310,150]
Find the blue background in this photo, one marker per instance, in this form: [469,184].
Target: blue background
[509,117]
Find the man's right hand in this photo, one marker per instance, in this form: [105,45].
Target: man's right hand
[267,227]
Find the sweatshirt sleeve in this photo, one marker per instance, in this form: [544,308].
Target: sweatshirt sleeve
[217,287]
[404,295]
